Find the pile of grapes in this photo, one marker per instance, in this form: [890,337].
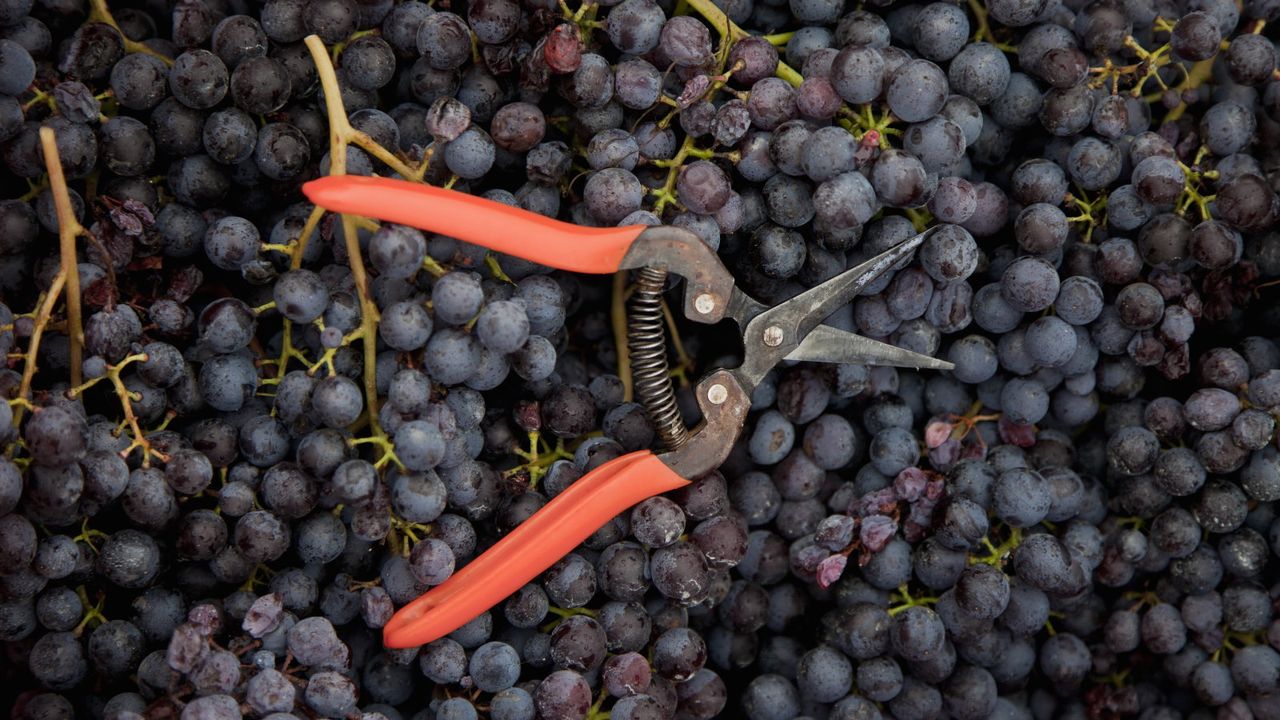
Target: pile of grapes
[239,431]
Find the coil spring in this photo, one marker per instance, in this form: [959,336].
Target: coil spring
[647,344]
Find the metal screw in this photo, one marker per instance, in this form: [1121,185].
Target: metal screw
[717,394]
[704,303]
[773,336]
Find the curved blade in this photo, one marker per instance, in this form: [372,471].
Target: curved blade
[776,333]
[831,345]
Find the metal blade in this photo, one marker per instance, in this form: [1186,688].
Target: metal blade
[808,309]
[831,345]
[773,334]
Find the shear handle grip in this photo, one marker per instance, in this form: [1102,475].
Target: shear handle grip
[476,220]
[535,545]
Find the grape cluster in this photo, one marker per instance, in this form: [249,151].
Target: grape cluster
[240,432]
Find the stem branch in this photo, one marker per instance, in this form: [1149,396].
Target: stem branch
[68,229]
[340,134]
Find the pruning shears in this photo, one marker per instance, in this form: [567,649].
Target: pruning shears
[792,330]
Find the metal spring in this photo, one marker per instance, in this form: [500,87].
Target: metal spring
[647,344]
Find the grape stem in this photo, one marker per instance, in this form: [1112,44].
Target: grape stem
[984,33]
[920,218]
[729,30]
[684,363]
[98,12]
[127,398]
[68,229]
[997,555]
[1196,76]
[93,616]
[403,534]
[47,302]
[259,575]
[903,599]
[562,614]
[89,535]
[340,135]
[1092,213]
[538,458]
[295,248]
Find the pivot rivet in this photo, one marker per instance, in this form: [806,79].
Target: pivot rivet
[717,394]
[773,336]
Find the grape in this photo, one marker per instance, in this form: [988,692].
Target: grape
[269,691]
[229,136]
[281,150]
[1227,127]
[636,82]
[419,445]
[657,522]
[938,142]
[771,697]
[260,85]
[964,114]
[1093,163]
[1029,284]
[591,85]
[56,436]
[1019,105]
[686,41]
[828,152]
[771,103]
[703,187]
[1110,117]
[1196,36]
[397,251]
[1016,13]
[954,201]
[1158,180]
[199,79]
[57,661]
[612,194]
[824,673]
[900,179]
[1079,301]
[228,381]
[406,326]
[471,154]
[978,71]
[129,559]
[845,201]
[815,98]
[1249,60]
[635,26]
[1051,341]
[857,74]
[300,295]
[1140,306]
[239,37]
[949,254]
[916,91]
[1041,228]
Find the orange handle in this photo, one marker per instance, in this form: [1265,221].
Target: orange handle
[476,220]
[535,545]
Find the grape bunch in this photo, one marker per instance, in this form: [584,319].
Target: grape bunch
[240,431]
